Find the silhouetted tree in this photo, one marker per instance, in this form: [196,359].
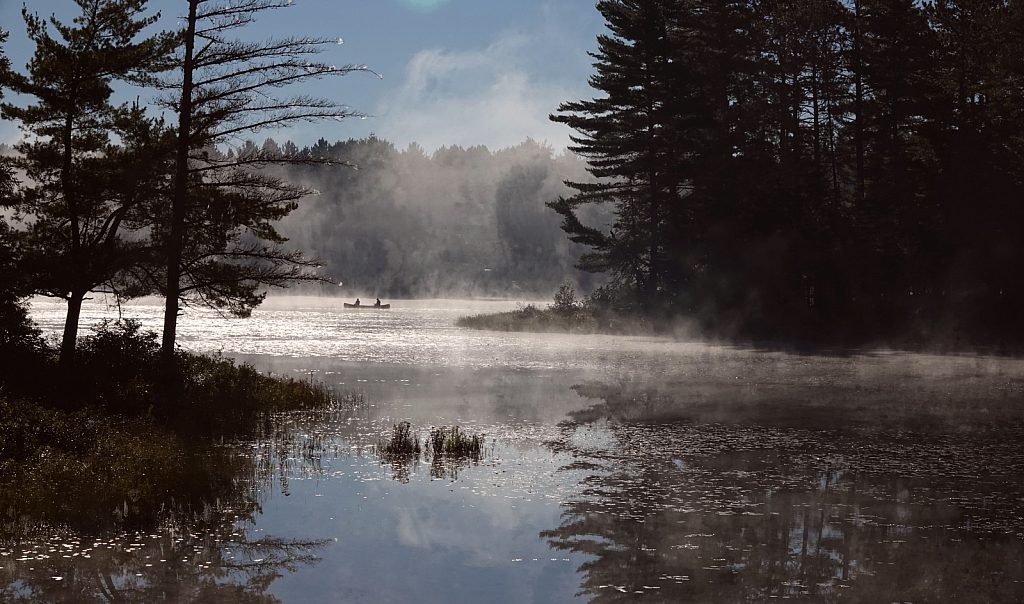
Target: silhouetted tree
[629,138]
[6,172]
[219,239]
[80,190]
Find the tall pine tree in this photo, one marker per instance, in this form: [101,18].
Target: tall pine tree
[77,200]
[220,245]
[628,138]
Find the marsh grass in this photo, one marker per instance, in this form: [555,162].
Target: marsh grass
[576,320]
[448,450]
[223,398]
[454,442]
[403,444]
[94,472]
[453,449]
[107,445]
[532,318]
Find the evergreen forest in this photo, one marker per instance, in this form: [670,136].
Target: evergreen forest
[808,169]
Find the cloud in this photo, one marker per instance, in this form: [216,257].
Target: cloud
[496,96]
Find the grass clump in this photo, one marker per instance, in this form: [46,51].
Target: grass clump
[454,442]
[448,450]
[403,444]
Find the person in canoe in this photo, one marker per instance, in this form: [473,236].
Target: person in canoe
[357,302]
[377,303]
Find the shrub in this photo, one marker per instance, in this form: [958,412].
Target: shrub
[118,367]
[565,299]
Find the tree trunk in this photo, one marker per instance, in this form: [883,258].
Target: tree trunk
[180,200]
[858,106]
[67,344]
[70,338]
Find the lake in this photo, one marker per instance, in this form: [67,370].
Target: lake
[615,469]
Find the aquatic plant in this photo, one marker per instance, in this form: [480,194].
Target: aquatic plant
[448,450]
[454,442]
[403,444]
[220,397]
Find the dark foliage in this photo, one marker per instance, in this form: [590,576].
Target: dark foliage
[81,190]
[810,169]
[120,373]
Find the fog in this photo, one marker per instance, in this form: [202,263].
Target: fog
[455,223]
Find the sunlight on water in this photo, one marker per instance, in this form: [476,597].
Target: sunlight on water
[412,332]
[614,469]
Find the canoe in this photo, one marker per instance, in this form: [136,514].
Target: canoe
[368,306]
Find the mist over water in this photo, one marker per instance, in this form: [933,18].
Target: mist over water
[459,222]
[615,468]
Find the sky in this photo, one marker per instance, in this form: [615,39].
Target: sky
[454,72]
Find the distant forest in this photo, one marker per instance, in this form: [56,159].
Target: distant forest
[831,170]
[404,224]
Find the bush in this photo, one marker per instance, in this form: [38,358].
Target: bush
[565,299]
[118,367]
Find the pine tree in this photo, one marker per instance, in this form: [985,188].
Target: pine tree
[78,200]
[6,172]
[977,136]
[219,241]
[628,138]
[14,324]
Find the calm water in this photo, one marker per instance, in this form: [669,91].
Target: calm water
[616,469]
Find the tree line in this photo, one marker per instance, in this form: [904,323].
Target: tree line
[131,199]
[457,222]
[823,169]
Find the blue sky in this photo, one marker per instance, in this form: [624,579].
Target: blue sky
[465,72]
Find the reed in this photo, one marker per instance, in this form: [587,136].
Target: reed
[454,442]
[403,444]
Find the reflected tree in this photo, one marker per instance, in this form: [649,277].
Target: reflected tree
[225,567]
[177,530]
[735,513]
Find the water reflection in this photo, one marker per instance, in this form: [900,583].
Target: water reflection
[160,567]
[187,535]
[739,512]
[447,450]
